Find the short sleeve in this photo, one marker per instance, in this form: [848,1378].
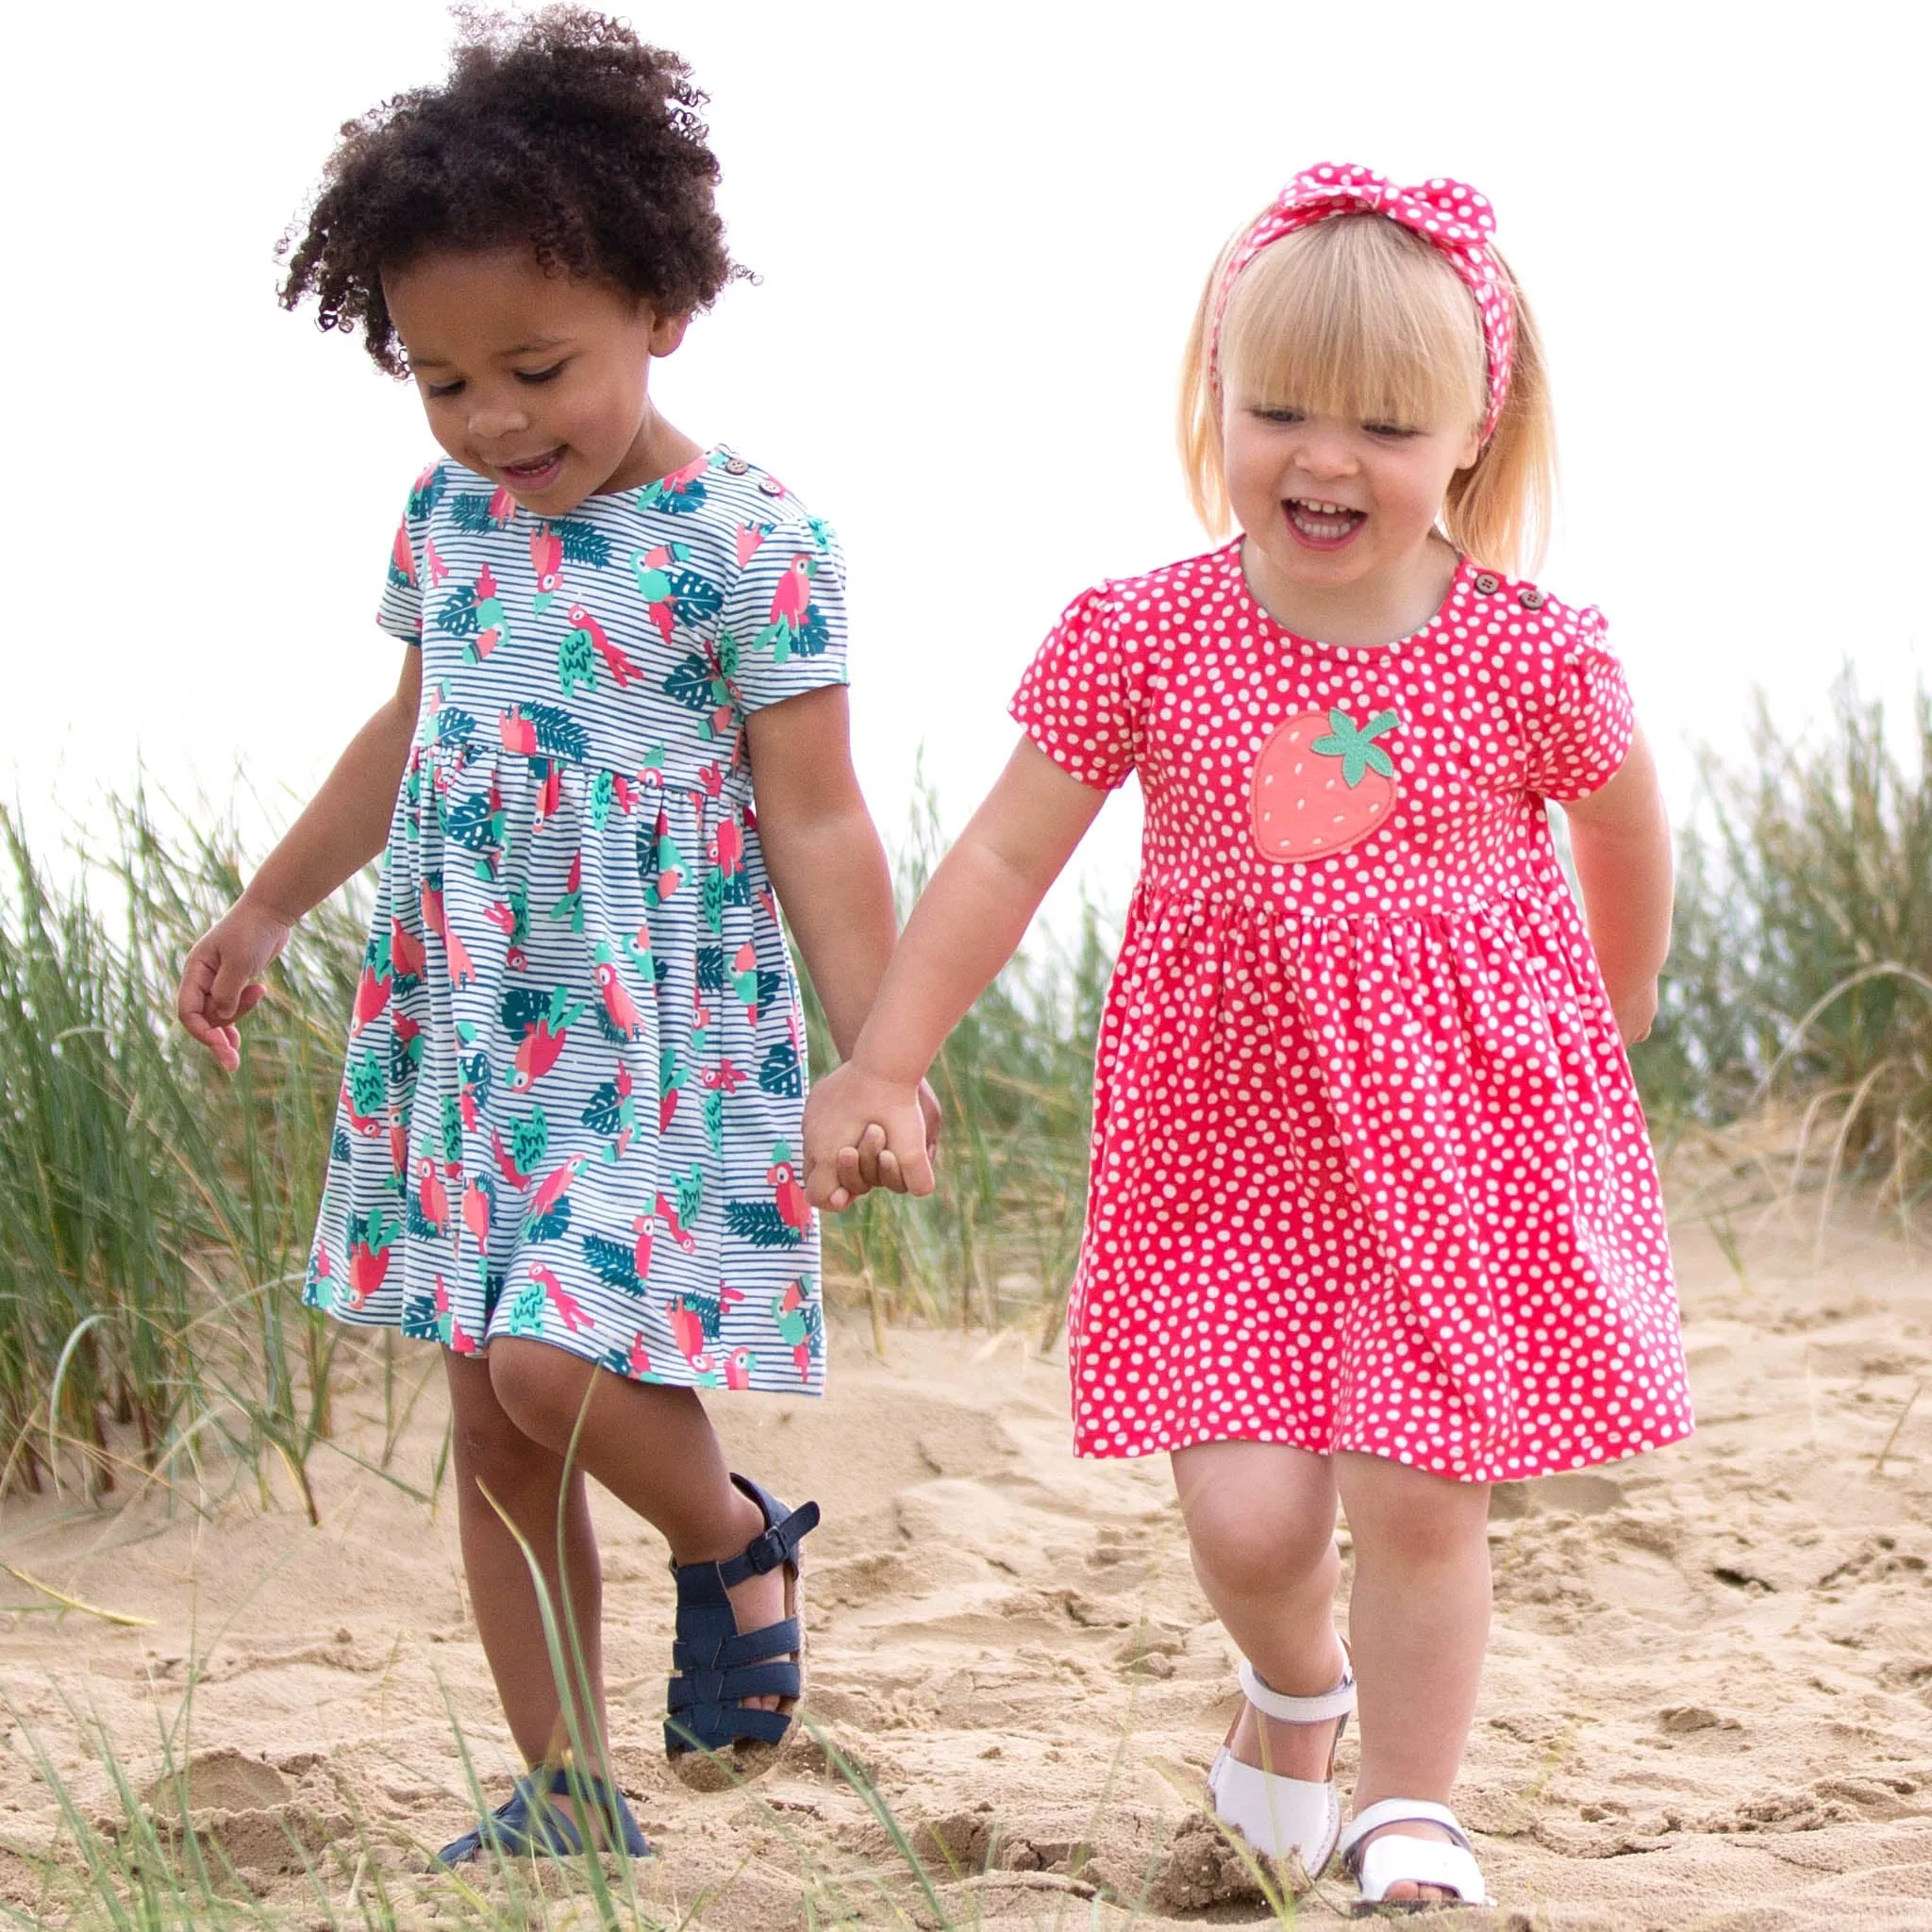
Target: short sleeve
[1581,732]
[1079,699]
[400,612]
[785,613]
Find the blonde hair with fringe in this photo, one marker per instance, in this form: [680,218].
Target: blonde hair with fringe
[1358,316]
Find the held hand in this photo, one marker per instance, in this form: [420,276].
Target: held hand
[873,1164]
[853,1122]
[219,978]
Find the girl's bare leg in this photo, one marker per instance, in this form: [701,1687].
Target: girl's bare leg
[653,1448]
[1419,1623]
[1260,1520]
[528,1482]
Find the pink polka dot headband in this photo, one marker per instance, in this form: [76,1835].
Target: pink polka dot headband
[1451,216]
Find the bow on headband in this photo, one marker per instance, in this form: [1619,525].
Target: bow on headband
[1451,216]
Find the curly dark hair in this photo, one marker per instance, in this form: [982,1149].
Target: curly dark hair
[563,130]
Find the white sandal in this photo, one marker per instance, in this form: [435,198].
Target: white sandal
[1284,1817]
[1397,1858]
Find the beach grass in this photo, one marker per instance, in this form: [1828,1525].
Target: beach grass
[1798,995]
[154,1214]
[996,1240]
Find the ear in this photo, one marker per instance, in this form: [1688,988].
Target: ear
[667,331]
[1471,448]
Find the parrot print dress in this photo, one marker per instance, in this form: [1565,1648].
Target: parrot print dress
[576,1067]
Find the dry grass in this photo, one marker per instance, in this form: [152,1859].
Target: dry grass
[1797,1005]
[153,1217]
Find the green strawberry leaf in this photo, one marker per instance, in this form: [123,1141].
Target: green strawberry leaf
[1353,744]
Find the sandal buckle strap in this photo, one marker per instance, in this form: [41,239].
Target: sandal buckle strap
[1320,1709]
[777,1544]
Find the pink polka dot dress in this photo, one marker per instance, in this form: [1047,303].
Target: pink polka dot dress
[1369,1170]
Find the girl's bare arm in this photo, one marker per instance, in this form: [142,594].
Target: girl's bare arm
[344,825]
[965,927]
[822,852]
[346,822]
[825,861]
[1620,838]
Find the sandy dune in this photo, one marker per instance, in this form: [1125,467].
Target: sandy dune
[1706,1704]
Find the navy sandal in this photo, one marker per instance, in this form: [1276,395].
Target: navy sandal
[711,1740]
[527,1821]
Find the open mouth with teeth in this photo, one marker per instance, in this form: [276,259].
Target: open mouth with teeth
[1322,526]
[533,472]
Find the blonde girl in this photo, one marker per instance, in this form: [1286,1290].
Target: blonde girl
[1374,1217]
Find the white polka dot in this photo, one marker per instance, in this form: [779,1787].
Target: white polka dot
[1369,1170]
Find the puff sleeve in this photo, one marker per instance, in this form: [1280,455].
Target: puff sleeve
[1080,700]
[1582,724]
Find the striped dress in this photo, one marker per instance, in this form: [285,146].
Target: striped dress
[576,1067]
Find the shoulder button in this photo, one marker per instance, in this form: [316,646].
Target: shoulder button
[1530,599]
[1488,583]
[771,486]
[735,467]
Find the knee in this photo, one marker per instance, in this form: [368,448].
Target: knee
[489,1448]
[1422,1521]
[1257,1545]
[539,1388]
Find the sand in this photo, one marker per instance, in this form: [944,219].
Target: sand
[1707,1700]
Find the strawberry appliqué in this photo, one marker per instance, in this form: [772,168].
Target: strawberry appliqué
[1321,784]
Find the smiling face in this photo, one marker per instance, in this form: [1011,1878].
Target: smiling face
[1352,382]
[539,382]
[1336,504]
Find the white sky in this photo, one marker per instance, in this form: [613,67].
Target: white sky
[980,231]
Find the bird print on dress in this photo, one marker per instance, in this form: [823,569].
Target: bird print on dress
[547,566]
[785,1220]
[801,1326]
[575,1064]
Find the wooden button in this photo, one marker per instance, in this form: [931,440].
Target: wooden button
[1530,600]
[771,486]
[1488,584]
[735,467]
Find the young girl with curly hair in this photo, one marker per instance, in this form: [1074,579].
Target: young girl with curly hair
[576,1063]
[1374,1216]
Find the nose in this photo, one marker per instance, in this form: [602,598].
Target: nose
[491,421]
[1326,450]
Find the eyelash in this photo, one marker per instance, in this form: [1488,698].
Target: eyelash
[438,391]
[1392,430]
